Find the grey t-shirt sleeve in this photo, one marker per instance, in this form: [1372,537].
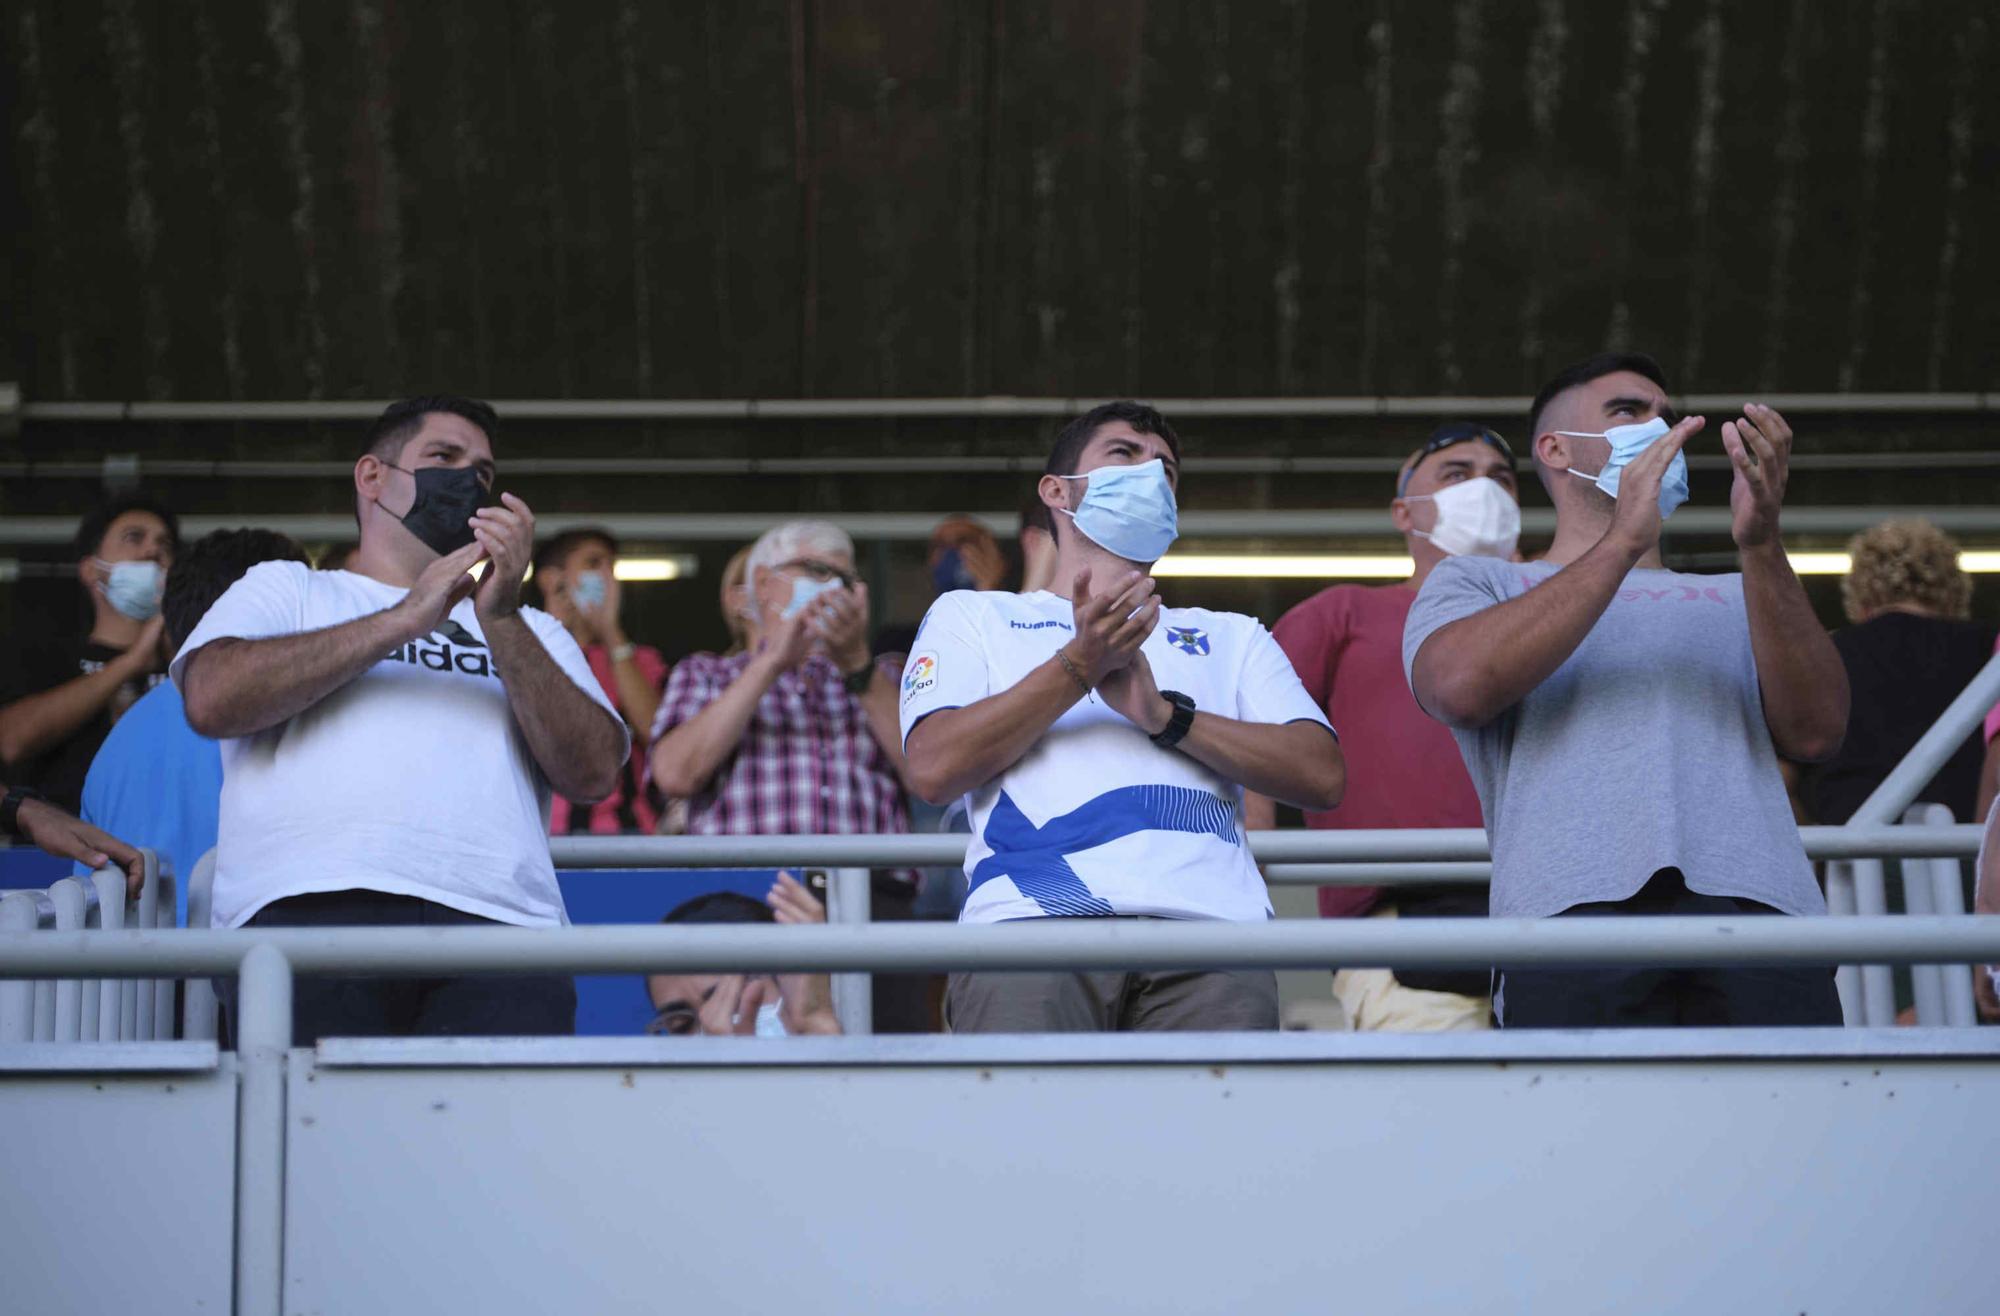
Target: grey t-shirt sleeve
[1457,587]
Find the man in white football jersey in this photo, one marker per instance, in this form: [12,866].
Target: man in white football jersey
[1104,744]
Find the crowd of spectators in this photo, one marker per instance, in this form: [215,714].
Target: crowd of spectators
[1624,732]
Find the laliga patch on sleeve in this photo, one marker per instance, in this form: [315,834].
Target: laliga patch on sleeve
[920,675]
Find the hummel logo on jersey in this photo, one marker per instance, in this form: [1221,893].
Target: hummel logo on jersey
[470,655]
[1188,639]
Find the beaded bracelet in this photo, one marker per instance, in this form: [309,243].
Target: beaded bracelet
[1074,675]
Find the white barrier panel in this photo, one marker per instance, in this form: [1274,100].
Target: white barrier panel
[1138,1174]
[117,1172]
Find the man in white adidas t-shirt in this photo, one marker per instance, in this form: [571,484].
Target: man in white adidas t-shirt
[1104,744]
[391,733]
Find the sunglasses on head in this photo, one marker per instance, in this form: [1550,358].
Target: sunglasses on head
[1451,436]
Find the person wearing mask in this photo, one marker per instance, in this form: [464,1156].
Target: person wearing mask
[742,1005]
[59,697]
[1104,742]
[1455,497]
[1622,721]
[577,575]
[797,734]
[965,555]
[155,777]
[393,733]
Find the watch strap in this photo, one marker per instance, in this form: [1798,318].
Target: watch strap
[858,681]
[10,808]
[1177,726]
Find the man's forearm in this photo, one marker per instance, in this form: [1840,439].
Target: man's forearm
[237,687]
[961,749]
[688,756]
[1299,763]
[1478,667]
[1799,672]
[577,745]
[34,722]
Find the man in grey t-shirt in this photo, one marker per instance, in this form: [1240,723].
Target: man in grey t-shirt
[1622,721]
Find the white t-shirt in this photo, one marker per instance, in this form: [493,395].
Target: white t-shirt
[1096,819]
[411,779]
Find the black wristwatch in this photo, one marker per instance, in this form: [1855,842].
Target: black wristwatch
[857,682]
[1177,726]
[10,809]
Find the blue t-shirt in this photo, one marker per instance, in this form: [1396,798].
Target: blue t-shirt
[158,784]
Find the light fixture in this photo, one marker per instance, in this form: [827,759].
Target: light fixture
[1328,566]
[678,567]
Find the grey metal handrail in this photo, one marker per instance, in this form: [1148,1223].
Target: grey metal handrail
[1373,846]
[1326,523]
[1036,944]
[972,407]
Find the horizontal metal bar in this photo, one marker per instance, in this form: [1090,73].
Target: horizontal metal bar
[100,1057]
[965,407]
[1024,465]
[1387,846]
[1268,523]
[1374,874]
[1307,1047]
[1035,944]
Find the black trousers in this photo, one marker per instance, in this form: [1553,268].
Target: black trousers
[1666,998]
[522,1006]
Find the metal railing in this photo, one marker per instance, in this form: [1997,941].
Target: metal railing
[961,408]
[1195,523]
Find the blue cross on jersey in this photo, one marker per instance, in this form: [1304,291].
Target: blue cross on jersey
[1037,857]
[1189,640]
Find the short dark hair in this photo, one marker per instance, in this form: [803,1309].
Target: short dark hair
[554,552]
[210,566]
[1075,436]
[721,907]
[1592,367]
[96,523]
[400,421]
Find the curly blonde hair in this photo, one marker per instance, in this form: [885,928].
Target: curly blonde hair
[1910,562]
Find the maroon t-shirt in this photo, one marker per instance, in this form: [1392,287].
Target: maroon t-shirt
[1403,768]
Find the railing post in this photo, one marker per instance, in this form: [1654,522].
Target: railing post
[1947,897]
[17,995]
[848,902]
[1878,981]
[264,1036]
[1846,978]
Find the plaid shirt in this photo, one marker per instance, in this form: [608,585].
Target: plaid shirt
[807,763]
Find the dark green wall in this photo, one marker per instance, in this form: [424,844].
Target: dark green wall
[286,198]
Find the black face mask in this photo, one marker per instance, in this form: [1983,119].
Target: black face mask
[447,496]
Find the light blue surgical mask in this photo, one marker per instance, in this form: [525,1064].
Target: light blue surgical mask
[804,590]
[1128,510]
[1627,442]
[133,588]
[589,589]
